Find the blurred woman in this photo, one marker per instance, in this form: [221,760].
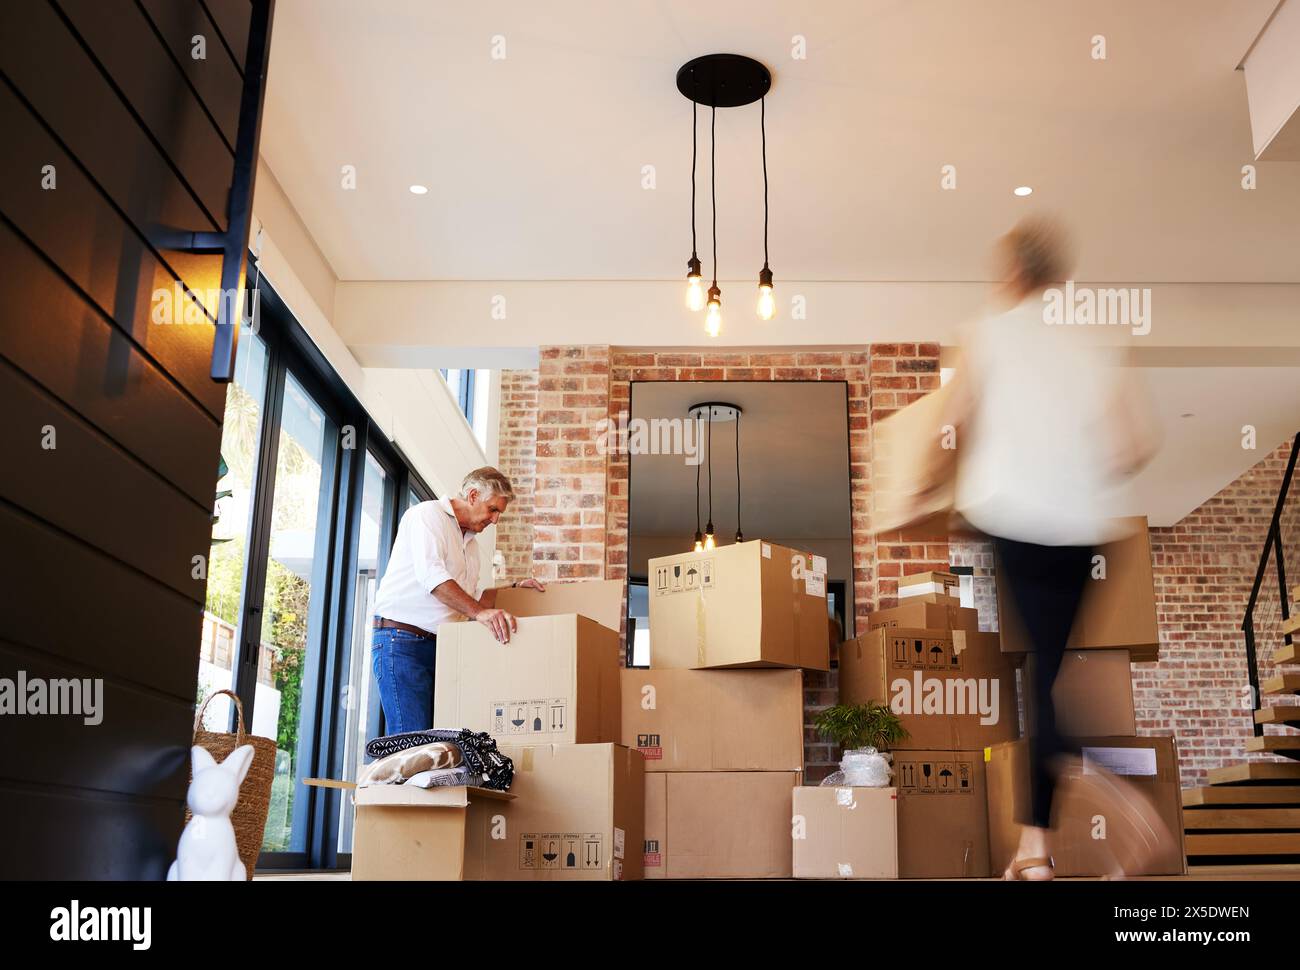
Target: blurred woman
[1049,429]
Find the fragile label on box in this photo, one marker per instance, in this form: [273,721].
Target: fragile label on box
[653,858]
[531,716]
[650,747]
[934,777]
[560,850]
[923,653]
[684,577]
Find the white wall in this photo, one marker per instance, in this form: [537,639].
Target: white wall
[414,408]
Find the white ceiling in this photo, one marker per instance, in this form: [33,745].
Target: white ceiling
[534,162]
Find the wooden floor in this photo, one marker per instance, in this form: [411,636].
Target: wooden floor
[1197,874]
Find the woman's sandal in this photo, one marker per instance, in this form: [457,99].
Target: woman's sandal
[1016,870]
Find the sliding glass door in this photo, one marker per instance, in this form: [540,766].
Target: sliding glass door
[309,495]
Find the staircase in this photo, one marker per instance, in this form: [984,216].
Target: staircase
[1249,814]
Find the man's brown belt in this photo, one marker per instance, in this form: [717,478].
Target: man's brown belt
[383,624]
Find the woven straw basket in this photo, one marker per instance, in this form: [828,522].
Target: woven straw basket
[249,816]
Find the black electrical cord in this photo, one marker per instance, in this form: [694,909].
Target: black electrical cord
[709,526]
[694,128]
[762,123]
[713,178]
[738,532]
[697,480]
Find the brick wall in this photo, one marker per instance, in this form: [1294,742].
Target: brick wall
[517,459]
[580,498]
[1204,568]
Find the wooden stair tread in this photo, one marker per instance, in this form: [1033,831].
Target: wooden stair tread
[1280,684]
[1278,714]
[1290,625]
[1254,772]
[1242,843]
[1195,798]
[1285,654]
[1249,819]
[1275,743]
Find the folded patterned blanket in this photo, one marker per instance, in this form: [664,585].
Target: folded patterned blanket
[398,767]
[444,777]
[478,750]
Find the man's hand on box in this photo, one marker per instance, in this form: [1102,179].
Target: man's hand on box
[501,623]
[531,583]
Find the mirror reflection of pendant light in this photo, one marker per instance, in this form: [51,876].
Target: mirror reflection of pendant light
[723,81]
[720,411]
[709,542]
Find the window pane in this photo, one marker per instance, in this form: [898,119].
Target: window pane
[412,499]
[227,557]
[291,622]
[360,698]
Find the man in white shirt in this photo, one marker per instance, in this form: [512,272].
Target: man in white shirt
[433,577]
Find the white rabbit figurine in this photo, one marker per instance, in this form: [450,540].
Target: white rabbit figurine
[207,849]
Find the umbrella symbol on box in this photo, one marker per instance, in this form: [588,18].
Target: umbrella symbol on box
[945,773]
[690,577]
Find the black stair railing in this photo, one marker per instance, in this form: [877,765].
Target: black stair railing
[1274,551]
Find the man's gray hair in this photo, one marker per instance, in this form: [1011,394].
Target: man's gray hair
[489,482]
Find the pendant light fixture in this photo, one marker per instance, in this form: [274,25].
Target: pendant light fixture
[694,279]
[724,81]
[766,303]
[714,411]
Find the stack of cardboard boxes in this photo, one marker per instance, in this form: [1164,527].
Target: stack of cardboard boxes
[550,698]
[1093,698]
[718,716]
[955,693]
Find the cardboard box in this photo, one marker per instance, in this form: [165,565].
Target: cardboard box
[845,833]
[1116,612]
[1093,695]
[953,690]
[578,815]
[714,720]
[601,600]
[411,833]
[907,497]
[556,681]
[937,583]
[942,814]
[719,824]
[927,612]
[750,604]
[1084,827]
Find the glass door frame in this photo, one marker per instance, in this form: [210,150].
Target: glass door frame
[323,721]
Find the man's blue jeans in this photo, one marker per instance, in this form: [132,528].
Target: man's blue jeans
[403,665]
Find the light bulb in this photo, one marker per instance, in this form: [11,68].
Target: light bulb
[694,284]
[766,303]
[713,322]
[708,541]
[694,293]
[699,546]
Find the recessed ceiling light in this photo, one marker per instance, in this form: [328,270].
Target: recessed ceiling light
[419,189]
[1023,190]
[1187,414]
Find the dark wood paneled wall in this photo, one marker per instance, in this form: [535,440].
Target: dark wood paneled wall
[98,532]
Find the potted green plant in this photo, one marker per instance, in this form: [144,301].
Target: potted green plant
[863,732]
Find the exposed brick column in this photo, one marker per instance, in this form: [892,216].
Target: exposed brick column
[517,459]
[569,491]
[901,373]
